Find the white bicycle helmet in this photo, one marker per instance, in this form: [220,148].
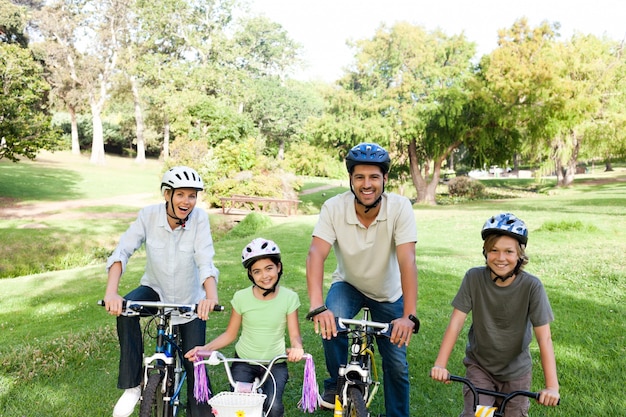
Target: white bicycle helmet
[258,248]
[506,224]
[181,177]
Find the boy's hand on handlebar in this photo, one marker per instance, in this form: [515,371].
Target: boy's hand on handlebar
[205,306]
[549,397]
[113,304]
[439,373]
[325,324]
[401,331]
[294,354]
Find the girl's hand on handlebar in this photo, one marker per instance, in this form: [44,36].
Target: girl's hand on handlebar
[205,306]
[325,324]
[439,373]
[294,354]
[549,397]
[192,355]
[113,304]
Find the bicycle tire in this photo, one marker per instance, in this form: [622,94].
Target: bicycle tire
[152,399]
[355,406]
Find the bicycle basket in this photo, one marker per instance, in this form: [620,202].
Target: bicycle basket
[237,404]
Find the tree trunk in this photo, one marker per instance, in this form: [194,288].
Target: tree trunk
[140,127]
[567,171]
[166,137]
[281,149]
[608,167]
[425,191]
[97,143]
[74,130]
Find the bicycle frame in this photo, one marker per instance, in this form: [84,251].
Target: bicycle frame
[163,372]
[358,379]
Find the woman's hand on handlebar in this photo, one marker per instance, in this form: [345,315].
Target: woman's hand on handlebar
[549,397]
[325,324]
[439,373]
[205,306]
[113,304]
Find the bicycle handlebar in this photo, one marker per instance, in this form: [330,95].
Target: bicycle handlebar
[215,358]
[383,328]
[137,306]
[505,396]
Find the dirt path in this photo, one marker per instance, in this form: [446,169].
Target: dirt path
[66,210]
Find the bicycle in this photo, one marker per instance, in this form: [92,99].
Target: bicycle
[163,372]
[358,381]
[488,410]
[245,398]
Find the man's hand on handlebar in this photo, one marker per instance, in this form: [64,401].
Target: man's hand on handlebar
[325,324]
[401,331]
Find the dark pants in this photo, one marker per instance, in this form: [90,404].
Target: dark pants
[131,349]
[244,372]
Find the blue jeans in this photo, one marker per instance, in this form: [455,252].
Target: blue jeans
[131,350]
[346,301]
[244,372]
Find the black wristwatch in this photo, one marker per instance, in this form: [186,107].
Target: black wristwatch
[415,321]
[315,312]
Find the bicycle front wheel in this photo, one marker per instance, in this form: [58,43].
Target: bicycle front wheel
[152,404]
[356,404]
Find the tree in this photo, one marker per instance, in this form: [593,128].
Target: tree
[25,122]
[551,91]
[57,23]
[407,91]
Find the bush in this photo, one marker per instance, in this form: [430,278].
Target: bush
[251,225]
[465,187]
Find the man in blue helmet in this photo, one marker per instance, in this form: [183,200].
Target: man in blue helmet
[373,235]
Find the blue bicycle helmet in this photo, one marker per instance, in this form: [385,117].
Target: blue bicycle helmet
[369,154]
[506,224]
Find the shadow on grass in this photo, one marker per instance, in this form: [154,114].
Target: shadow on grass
[34,182]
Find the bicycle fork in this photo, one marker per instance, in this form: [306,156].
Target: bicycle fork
[357,374]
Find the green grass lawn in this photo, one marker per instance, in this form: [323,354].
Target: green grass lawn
[58,349]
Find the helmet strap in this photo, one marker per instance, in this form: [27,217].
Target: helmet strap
[371,206]
[512,273]
[179,221]
[266,291]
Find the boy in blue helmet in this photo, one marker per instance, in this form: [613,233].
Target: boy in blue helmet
[373,235]
[506,304]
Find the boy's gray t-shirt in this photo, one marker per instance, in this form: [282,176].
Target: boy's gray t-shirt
[502,320]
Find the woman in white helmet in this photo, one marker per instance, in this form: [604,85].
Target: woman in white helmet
[179,269]
[263,311]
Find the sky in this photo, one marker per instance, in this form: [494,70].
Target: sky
[322,27]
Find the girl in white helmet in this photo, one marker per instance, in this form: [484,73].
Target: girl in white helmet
[179,269]
[507,304]
[263,311]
